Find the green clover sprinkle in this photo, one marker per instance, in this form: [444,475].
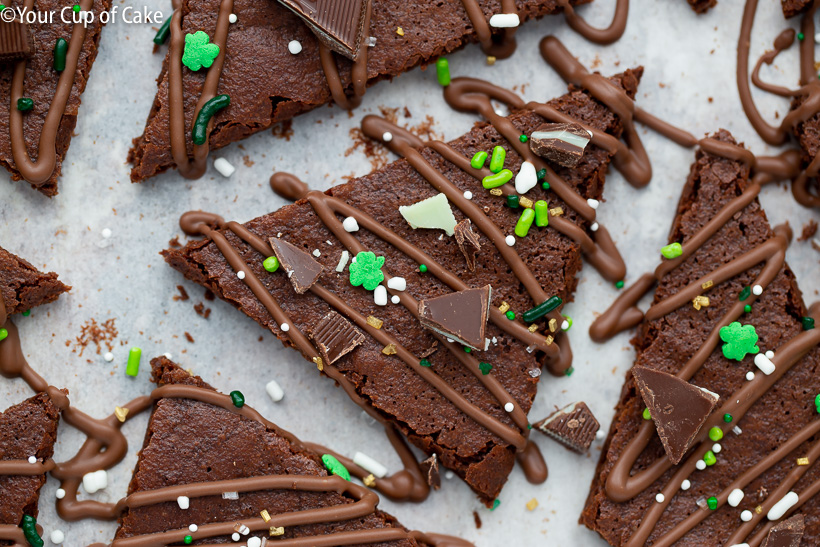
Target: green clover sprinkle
[744,293]
[3,334]
[366,270]
[712,502]
[467,349]
[425,363]
[422,268]
[496,503]
[739,340]
[485,368]
[728,418]
[709,458]
[716,433]
[619,284]
[29,527]
[808,323]
[510,315]
[335,467]
[646,414]
[237,399]
[673,250]
[198,51]
[271,264]
[747,308]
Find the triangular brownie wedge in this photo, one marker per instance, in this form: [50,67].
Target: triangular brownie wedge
[23,287]
[41,86]
[468,407]
[212,468]
[753,463]
[289,77]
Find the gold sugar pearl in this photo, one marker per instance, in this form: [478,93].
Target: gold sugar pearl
[120,413]
[532,328]
[496,192]
[277,531]
[490,60]
[319,364]
[374,322]
[707,285]
[532,504]
[369,480]
[526,203]
[400,31]
[265,515]
[802,461]
[553,324]
[389,349]
[504,307]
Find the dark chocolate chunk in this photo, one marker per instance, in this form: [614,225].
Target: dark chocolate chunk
[562,143]
[15,41]
[302,270]
[335,336]
[574,426]
[429,468]
[788,533]
[338,24]
[461,315]
[468,242]
[678,408]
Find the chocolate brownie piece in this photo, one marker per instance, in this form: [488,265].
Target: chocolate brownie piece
[39,83]
[23,287]
[268,84]
[702,6]
[27,429]
[794,7]
[193,442]
[620,501]
[426,417]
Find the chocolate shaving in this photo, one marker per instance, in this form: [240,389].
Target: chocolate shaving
[15,41]
[460,315]
[429,468]
[302,269]
[788,533]
[562,143]
[338,24]
[678,408]
[573,426]
[335,336]
[468,242]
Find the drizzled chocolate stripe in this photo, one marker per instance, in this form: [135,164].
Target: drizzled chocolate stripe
[500,46]
[14,534]
[358,73]
[603,36]
[24,468]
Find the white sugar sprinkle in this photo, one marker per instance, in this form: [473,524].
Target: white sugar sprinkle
[770,354]
[240,274]
[764,364]
[510,240]
[779,509]
[594,227]
[757,290]
[235,536]
[57,537]
[108,356]
[340,267]
[449,475]
[232,18]
[285,327]
[317,253]
[380,296]
[254,542]
[224,167]
[685,485]
[505,20]
[565,325]
[397,283]
[817,38]
[716,448]
[598,434]
[193,528]
[468,195]
[750,375]
[746,516]
[735,497]
[183,502]
[509,407]
[369,464]
[593,203]
[350,224]
[387,137]
[274,391]
[60,494]
[295,47]
[230,495]
[660,498]
[32,459]
[168,356]
[106,233]
[701,465]
[736,430]
[395,299]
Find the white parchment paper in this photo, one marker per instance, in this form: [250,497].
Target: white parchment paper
[689,80]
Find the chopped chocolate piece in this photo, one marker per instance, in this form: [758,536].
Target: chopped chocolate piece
[562,143]
[335,336]
[788,533]
[678,408]
[429,469]
[338,24]
[15,41]
[461,315]
[468,242]
[302,269]
[574,426]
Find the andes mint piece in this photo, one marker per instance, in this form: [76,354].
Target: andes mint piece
[574,426]
[563,143]
[338,24]
[678,408]
[788,533]
[302,269]
[468,242]
[335,336]
[429,468]
[461,315]
[15,41]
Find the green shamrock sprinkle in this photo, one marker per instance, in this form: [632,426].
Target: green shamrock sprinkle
[510,315]
[569,371]
[237,399]
[712,502]
[487,367]
[673,250]
[198,51]
[739,340]
[366,270]
[541,175]
[425,363]
[335,467]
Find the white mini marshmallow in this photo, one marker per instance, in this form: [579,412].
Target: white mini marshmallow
[779,509]
[380,296]
[735,497]
[505,20]
[350,224]
[369,464]
[397,283]
[764,364]
[274,391]
[184,502]
[225,168]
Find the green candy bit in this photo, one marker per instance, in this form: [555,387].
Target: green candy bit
[716,433]
[188,539]
[26,313]
[237,399]
[467,349]
[199,134]
[512,201]
[709,458]
[479,160]
[443,71]
[3,334]
[76,8]
[422,268]
[497,159]
[673,250]
[808,323]
[425,363]
[163,33]
[728,418]
[29,527]
[739,340]
[60,52]
[496,503]
[510,315]
[712,502]
[366,270]
[499,179]
[569,323]
[545,185]
[541,174]
[817,403]
[800,36]
[646,414]
[335,467]
[744,293]
[569,371]
[199,52]
[24,104]
[522,227]
[542,309]
[542,213]
[485,368]
[523,138]
[619,284]
[133,365]
[747,308]
[271,264]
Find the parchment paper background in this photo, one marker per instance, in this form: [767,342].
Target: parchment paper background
[689,80]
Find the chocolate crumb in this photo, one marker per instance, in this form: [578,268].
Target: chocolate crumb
[283,130]
[93,333]
[201,310]
[189,337]
[209,295]
[809,229]
[477,519]
[174,243]
[183,294]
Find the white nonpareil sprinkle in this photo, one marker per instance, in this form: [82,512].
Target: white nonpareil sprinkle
[57,537]
[168,356]
[449,475]
[701,465]
[535,373]
[60,494]
[750,375]
[274,391]
[32,459]
[317,253]
[397,283]
[244,530]
[509,407]
[660,498]
[685,485]
[565,325]
[509,240]
[240,274]
[285,327]
[225,168]
[94,481]
[716,448]
[380,296]
[371,41]
[108,356]
[746,516]
[235,536]
[295,47]
[193,528]
[387,137]
[770,354]
[594,227]
[369,464]
[757,290]
[395,299]
[350,225]
[735,497]
[779,509]
[764,363]
[232,18]
[740,545]
[468,195]
[505,20]
[593,203]
[183,502]
[106,233]
[340,267]
[254,542]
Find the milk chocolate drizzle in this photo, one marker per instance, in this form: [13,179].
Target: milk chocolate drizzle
[603,36]
[358,73]
[807,96]
[39,172]
[501,45]
[623,485]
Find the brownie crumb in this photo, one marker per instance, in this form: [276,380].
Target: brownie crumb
[809,229]
[183,294]
[94,333]
[283,130]
[174,243]
[477,519]
[189,337]
[201,310]
[209,295]
[247,161]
